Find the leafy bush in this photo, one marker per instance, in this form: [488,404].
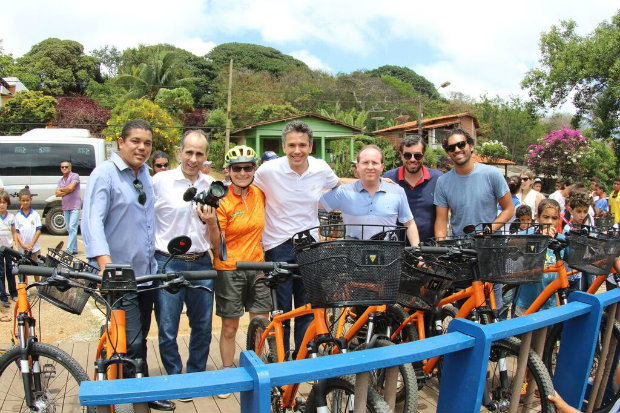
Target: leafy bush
[559,153]
[81,112]
[493,150]
[27,110]
[166,133]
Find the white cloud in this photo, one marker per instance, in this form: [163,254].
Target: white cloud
[312,61]
[196,45]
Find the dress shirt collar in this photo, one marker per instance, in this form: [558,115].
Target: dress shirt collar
[121,165]
[359,187]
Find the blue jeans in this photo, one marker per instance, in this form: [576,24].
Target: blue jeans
[6,272]
[288,291]
[72,221]
[138,309]
[168,310]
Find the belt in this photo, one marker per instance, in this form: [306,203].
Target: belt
[192,256]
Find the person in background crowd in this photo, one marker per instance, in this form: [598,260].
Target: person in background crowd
[173,217]
[7,235]
[614,200]
[226,173]
[268,156]
[118,226]
[579,202]
[601,205]
[160,162]
[523,219]
[292,186]
[241,216]
[27,226]
[419,183]
[514,183]
[206,167]
[527,195]
[69,190]
[595,181]
[537,186]
[559,195]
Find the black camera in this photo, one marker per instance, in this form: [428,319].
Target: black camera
[210,197]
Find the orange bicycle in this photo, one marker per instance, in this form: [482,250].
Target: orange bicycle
[34,376]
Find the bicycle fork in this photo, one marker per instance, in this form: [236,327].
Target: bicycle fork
[29,363]
[320,386]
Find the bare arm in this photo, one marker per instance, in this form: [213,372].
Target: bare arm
[208,215]
[412,233]
[441,222]
[60,192]
[508,211]
[37,234]
[102,260]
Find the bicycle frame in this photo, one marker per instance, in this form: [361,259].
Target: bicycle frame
[558,284]
[316,328]
[114,333]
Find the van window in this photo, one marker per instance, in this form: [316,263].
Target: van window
[45,158]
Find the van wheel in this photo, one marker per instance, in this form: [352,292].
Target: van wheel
[55,221]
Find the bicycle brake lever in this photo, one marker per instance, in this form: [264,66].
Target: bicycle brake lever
[200,287]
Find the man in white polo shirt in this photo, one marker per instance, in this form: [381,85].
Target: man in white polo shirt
[292,185]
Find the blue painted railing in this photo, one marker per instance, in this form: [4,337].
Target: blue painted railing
[466,350]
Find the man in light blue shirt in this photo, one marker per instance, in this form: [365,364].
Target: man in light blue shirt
[118,226]
[370,201]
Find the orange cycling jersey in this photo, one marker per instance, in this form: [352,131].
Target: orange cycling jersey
[242,223]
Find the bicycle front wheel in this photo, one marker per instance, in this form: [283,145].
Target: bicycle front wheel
[60,379]
[339,392]
[501,373]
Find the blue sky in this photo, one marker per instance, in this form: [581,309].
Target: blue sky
[481,47]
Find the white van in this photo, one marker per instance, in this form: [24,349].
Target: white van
[34,159]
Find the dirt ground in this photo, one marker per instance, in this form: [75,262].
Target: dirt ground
[56,325]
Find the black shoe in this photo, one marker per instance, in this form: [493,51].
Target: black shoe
[165,405]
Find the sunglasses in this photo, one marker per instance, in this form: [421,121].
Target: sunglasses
[525,179]
[460,145]
[141,194]
[64,167]
[417,156]
[161,165]
[236,168]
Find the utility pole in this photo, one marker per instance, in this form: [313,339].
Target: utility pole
[227,143]
[420,117]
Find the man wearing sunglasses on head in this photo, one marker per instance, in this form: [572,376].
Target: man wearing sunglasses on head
[471,191]
[419,182]
[161,162]
[118,226]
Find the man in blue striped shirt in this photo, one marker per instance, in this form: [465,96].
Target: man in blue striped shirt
[370,200]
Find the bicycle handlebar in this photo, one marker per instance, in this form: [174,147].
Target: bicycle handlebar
[49,272]
[11,252]
[265,266]
[443,250]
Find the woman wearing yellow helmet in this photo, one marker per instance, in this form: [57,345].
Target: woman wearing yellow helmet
[241,215]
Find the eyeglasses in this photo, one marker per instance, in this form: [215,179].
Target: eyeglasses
[460,145]
[64,167]
[161,165]
[141,194]
[237,168]
[417,156]
[525,179]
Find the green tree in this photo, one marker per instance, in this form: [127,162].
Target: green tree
[254,57]
[57,67]
[175,101]
[585,67]
[162,69]
[600,161]
[110,59]
[419,83]
[511,122]
[7,63]
[217,123]
[166,132]
[272,111]
[493,150]
[27,110]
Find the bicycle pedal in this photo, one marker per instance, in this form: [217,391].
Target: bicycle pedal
[49,371]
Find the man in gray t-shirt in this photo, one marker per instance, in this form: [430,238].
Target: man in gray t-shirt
[470,191]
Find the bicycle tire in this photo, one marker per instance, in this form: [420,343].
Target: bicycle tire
[61,378]
[257,326]
[536,371]
[550,354]
[396,316]
[336,387]
[407,391]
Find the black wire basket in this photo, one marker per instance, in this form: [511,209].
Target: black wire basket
[74,299]
[424,280]
[349,271]
[331,224]
[592,249]
[463,272]
[512,258]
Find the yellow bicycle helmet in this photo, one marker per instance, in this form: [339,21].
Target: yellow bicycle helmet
[240,154]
